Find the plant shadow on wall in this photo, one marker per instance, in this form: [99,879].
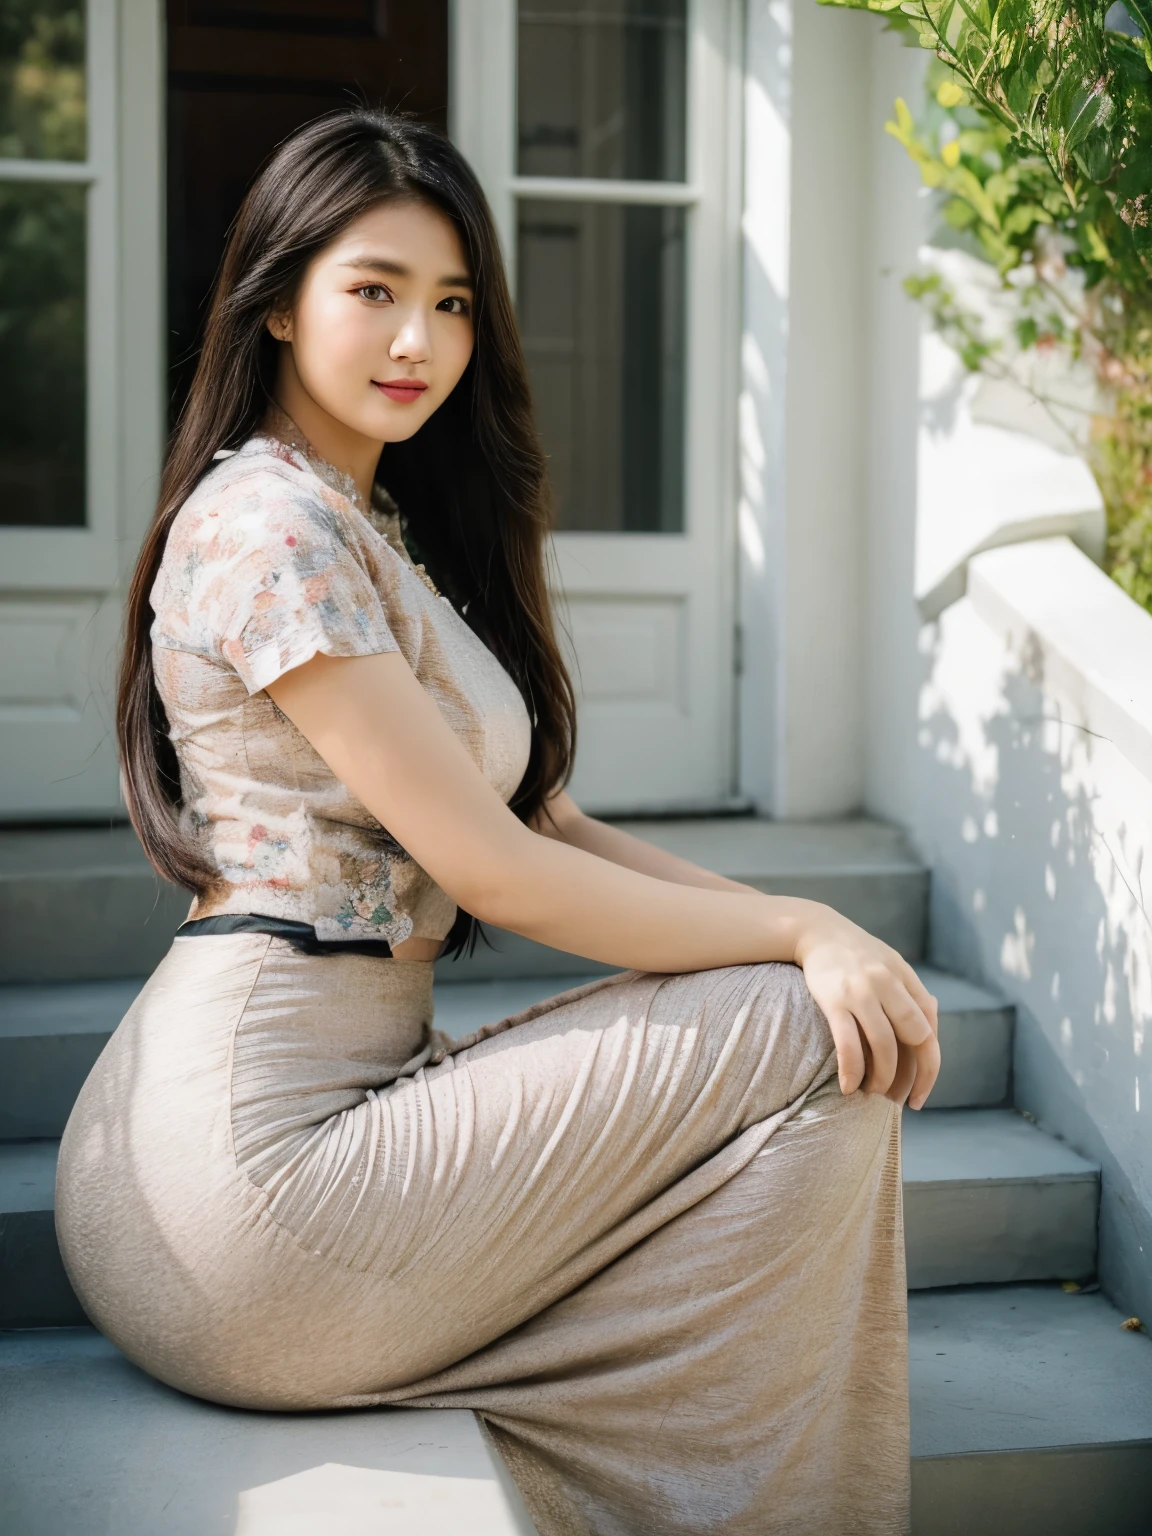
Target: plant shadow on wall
[1036,137]
[1036,831]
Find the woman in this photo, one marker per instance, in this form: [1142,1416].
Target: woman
[649,1229]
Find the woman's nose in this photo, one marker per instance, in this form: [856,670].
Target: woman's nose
[411,340]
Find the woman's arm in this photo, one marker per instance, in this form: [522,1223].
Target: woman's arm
[563,820]
[384,737]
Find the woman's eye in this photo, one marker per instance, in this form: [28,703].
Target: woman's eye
[461,306]
[373,292]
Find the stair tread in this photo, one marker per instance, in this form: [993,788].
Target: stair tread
[44,852]
[28,1176]
[956,994]
[749,845]
[92,1444]
[986,1146]
[31,1009]
[1001,1368]
[753,846]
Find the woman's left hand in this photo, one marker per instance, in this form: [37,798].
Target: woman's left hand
[882,1016]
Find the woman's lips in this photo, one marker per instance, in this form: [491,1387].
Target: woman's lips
[403,391]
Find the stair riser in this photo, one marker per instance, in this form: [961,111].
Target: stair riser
[997,1233]
[975,1060]
[34,1290]
[40,1075]
[1103,1490]
[62,927]
[85,927]
[967,1237]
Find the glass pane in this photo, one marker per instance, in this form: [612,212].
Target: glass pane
[42,354]
[601,299]
[602,88]
[42,106]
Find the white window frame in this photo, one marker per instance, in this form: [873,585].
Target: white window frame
[61,588]
[85,557]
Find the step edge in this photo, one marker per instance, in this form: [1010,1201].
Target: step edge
[1061,1447]
[1011,1181]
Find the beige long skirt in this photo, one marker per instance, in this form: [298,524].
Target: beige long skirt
[637,1228]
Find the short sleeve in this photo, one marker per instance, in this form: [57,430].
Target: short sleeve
[263,577]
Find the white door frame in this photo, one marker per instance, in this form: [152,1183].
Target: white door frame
[683,731]
[61,588]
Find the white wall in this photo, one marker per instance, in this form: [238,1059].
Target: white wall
[1037,823]
[806,230]
[1035,831]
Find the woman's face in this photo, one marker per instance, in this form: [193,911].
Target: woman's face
[381,330]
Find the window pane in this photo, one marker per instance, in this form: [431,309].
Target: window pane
[42,354]
[602,88]
[601,299]
[42,107]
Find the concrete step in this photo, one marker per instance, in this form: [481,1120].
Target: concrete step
[976,1033]
[51,1033]
[1031,1416]
[987,1198]
[34,1290]
[82,904]
[990,1198]
[93,1447]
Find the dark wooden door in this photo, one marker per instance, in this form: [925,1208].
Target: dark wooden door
[242,74]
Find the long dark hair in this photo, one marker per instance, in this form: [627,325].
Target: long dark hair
[471,483]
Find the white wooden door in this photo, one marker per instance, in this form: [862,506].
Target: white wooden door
[81,383]
[606,134]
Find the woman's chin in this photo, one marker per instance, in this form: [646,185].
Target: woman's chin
[391,423]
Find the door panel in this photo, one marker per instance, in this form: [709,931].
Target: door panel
[606,135]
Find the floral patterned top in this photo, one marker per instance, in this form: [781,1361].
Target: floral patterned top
[272,559]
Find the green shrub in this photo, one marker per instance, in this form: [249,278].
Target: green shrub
[1037,135]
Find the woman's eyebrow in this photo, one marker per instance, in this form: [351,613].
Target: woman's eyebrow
[398,269]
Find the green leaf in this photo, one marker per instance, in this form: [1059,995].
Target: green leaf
[1095,156]
[1022,219]
[959,213]
[1141,13]
[1078,104]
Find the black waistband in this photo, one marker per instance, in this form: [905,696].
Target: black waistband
[301,935]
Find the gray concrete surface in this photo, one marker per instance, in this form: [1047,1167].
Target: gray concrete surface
[79,904]
[988,1197]
[1031,1415]
[976,1028]
[90,1446]
[51,1033]
[1023,1367]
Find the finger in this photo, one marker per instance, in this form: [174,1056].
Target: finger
[905,1079]
[921,996]
[908,1019]
[881,1039]
[927,1070]
[850,1062]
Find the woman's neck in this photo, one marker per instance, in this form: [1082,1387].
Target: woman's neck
[346,449]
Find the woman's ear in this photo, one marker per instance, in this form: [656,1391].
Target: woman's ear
[280,326]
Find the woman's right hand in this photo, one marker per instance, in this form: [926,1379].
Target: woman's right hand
[882,1017]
